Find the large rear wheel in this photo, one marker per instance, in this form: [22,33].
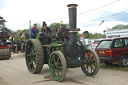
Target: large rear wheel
[57,65]
[34,56]
[90,62]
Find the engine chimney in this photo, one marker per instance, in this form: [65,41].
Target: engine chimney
[72,21]
[73,47]
[72,15]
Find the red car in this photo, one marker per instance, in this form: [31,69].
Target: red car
[113,50]
[93,46]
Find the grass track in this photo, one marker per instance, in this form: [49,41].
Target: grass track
[113,67]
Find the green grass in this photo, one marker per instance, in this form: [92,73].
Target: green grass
[113,67]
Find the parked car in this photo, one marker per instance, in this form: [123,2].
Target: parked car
[113,50]
[93,46]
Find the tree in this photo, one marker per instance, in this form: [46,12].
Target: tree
[91,36]
[103,36]
[120,26]
[78,35]
[53,26]
[27,36]
[21,33]
[39,27]
[86,34]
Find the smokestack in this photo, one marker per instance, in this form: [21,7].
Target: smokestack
[72,15]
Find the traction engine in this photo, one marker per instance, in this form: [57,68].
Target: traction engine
[65,51]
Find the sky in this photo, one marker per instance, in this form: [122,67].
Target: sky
[90,13]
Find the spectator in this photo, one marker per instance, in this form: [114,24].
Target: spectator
[34,31]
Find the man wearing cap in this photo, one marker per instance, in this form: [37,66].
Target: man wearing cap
[47,31]
[34,31]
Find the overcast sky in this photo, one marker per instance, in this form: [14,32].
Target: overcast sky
[18,13]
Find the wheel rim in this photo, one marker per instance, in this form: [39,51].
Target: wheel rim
[125,61]
[31,56]
[57,66]
[90,63]
[16,50]
[22,47]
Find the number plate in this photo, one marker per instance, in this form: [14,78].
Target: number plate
[101,51]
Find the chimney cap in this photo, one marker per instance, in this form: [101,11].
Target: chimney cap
[72,5]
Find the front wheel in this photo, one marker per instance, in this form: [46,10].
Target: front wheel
[90,62]
[57,65]
[123,62]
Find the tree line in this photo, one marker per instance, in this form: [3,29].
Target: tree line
[26,32]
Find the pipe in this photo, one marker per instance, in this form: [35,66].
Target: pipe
[72,15]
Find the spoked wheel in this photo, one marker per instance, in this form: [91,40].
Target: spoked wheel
[90,62]
[34,56]
[57,65]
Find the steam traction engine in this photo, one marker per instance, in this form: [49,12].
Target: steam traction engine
[5,52]
[17,46]
[64,51]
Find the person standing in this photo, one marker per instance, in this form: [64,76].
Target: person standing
[47,32]
[34,31]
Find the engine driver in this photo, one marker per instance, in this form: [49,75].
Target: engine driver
[47,32]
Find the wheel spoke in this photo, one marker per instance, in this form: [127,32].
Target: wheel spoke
[94,64]
[58,60]
[92,68]
[28,55]
[54,59]
[34,64]
[34,59]
[87,68]
[34,54]
[31,63]
[33,50]
[60,67]
[57,73]
[29,47]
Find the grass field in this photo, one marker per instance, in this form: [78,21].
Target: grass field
[113,67]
